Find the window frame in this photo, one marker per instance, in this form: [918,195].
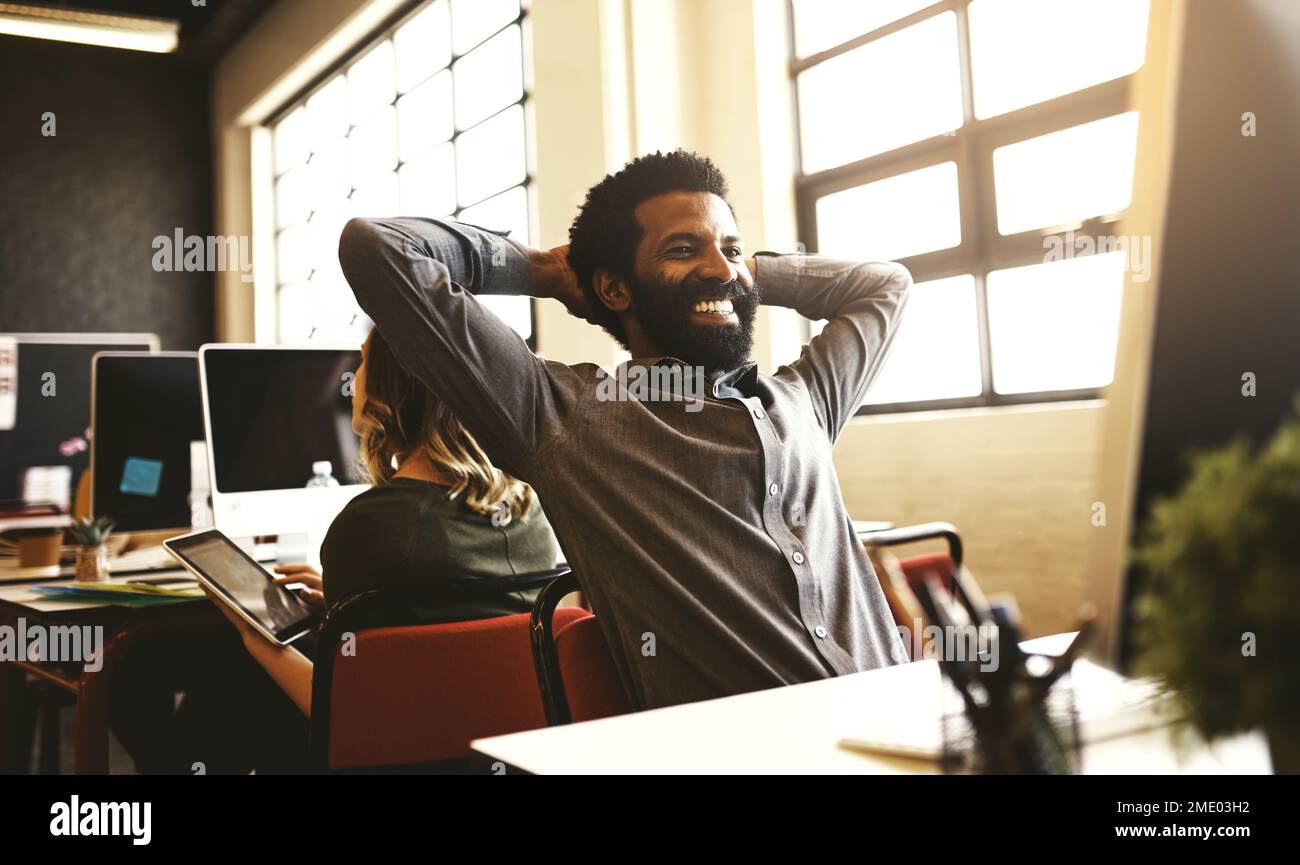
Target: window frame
[372,40]
[982,249]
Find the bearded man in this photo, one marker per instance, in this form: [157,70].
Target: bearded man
[709,534]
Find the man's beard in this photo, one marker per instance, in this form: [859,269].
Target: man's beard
[664,310]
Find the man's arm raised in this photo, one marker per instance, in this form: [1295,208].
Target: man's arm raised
[416,279]
[864,303]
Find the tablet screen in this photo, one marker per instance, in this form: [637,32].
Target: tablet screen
[244,582]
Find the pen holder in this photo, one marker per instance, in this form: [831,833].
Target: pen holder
[1021,738]
[1005,710]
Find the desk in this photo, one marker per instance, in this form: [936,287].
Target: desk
[797,729]
[125,629]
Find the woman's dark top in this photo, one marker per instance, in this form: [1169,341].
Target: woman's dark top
[407,534]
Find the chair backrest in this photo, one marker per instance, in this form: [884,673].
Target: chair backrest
[591,682]
[416,694]
[904,601]
[575,669]
[917,568]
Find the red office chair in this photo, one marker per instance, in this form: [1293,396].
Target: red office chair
[916,569]
[414,695]
[575,670]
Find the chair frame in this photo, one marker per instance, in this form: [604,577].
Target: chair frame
[918,532]
[546,659]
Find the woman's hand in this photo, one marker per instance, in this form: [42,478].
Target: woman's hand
[313,595]
[246,631]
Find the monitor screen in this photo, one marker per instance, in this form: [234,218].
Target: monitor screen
[272,412]
[142,467]
[50,390]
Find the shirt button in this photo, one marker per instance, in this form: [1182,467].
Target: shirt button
[773,489]
[820,632]
[758,413]
[798,558]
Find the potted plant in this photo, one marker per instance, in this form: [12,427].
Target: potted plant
[1219,608]
[92,553]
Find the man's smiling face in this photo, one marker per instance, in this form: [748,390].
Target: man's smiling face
[692,294]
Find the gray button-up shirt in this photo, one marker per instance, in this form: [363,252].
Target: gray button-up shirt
[710,537]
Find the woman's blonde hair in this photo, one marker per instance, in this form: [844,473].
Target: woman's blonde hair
[403,418]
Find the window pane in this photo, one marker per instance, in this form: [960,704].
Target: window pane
[292,198]
[374,146]
[936,353]
[327,112]
[1066,176]
[489,78]
[1027,51]
[514,311]
[424,116]
[490,157]
[294,319]
[323,237]
[472,21]
[334,311]
[372,82]
[1054,326]
[428,185]
[505,212]
[822,24]
[893,218]
[891,92]
[293,254]
[328,172]
[291,141]
[423,46]
[376,197]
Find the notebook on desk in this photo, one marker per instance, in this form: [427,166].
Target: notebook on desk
[1108,706]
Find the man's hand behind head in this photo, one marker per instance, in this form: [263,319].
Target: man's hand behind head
[552,277]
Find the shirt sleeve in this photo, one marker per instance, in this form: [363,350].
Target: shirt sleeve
[863,303]
[416,279]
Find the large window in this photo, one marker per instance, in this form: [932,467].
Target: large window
[987,146]
[428,120]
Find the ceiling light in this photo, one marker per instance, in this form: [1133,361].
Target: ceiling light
[90,28]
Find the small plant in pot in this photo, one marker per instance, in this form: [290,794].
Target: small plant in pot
[91,537]
[1218,614]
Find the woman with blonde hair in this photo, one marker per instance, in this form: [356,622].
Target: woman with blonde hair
[439,515]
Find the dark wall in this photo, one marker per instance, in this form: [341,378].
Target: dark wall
[78,211]
[1229,299]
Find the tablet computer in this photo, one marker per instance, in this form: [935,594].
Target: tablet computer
[246,586]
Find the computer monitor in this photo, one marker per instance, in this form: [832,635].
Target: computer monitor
[145,414]
[45,407]
[269,413]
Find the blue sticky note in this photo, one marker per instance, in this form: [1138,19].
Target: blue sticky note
[141,477]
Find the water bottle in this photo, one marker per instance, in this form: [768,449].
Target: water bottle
[200,499]
[321,508]
[322,475]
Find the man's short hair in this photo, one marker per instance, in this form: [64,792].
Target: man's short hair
[606,233]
